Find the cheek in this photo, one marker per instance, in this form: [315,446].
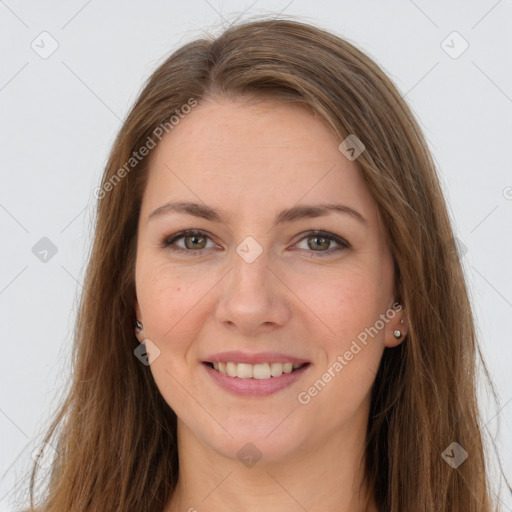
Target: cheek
[351,304]
[346,301]
[172,301]
[174,306]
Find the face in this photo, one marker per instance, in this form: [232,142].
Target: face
[255,291]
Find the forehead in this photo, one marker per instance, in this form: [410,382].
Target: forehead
[253,158]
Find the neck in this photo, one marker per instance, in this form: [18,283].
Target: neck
[326,478]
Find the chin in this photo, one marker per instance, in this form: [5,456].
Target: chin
[265,439]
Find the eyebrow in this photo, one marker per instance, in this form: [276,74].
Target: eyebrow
[292,214]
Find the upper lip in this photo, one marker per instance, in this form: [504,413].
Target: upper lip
[237,356]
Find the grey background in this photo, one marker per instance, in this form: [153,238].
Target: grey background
[60,114]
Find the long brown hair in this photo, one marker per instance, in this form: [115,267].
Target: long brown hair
[115,436]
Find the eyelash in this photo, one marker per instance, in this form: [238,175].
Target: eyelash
[167,242]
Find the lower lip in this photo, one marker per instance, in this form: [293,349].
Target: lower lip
[255,387]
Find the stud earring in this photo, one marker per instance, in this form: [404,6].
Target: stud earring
[397,334]
[138,325]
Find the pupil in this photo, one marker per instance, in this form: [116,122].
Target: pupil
[193,243]
[325,240]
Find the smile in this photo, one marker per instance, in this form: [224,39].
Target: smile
[255,380]
[255,371]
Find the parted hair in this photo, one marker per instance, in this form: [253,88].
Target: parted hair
[115,437]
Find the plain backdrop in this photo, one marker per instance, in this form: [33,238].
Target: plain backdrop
[70,72]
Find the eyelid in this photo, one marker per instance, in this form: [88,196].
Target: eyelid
[342,243]
[171,239]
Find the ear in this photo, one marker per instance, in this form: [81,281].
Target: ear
[139,333]
[397,323]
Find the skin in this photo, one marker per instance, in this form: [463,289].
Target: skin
[250,161]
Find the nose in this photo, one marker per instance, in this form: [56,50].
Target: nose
[253,297]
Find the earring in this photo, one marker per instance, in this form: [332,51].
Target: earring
[397,334]
[138,325]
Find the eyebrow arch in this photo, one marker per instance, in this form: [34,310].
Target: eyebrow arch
[292,214]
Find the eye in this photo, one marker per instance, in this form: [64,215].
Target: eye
[320,242]
[195,241]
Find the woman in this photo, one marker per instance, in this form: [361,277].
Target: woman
[274,315]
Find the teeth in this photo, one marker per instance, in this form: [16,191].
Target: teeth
[276,369]
[231,369]
[261,371]
[255,371]
[287,367]
[244,371]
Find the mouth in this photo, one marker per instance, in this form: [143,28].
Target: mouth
[261,371]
